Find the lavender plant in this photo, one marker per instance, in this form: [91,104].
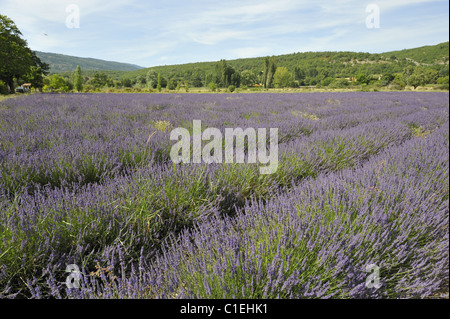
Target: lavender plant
[86,179]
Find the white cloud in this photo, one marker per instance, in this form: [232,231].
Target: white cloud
[148,32]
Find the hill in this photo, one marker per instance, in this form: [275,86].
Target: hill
[432,54]
[60,63]
[313,64]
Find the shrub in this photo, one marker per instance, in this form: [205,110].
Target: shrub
[231,88]
[3,88]
[212,86]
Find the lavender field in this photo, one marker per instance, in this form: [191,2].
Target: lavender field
[86,180]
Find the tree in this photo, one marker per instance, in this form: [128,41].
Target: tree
[212,87]
[270,67]
[158,86]
[266,70]
[172,84]
[361,78]
[100,80]
[3,88]
[340,83]
[152,79]
[35,77]
[127,83]
[386,79]
[282,77]
[224,74]
[415,80]
[57,83]
[235,79]
[248,78]
[78,80]
[16,59]
[327,81]
[422,76]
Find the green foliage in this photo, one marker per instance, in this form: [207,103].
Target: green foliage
[56,84]
[225,74]
[361,78]
[3,88]
[426,54]
[212,87]
[78,80]
[386,79]
[158,86]
[282,77]
[270,67]
[398,82]
[17,61]
[231,88]
[340,83]
[101,80]
[327,81]
[172,84]
[248,78]
[127,83]
[443,80]
[152,79]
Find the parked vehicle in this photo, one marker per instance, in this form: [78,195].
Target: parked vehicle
[22,89]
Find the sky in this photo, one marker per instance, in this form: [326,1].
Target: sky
[165,32]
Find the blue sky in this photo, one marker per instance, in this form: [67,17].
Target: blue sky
[164,32]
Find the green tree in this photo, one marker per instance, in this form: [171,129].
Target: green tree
[158,86]
[248,78]
[3,88]
[266,70]
[415,80]
[172,84]
[386,79]
[299,75]
[361,78]
[100,80]
[340,83]
[35,77]
[56,83]
[282,77]
[16,59]
[269,71]
[224,74]
[422,76]
[327,81]
[78,79]
[196,81]
[212,87]
[152,79]
[127,83]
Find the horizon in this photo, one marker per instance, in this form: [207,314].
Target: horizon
[173,33]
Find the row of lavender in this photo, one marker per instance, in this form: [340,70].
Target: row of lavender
[82,139]
[314,241]
[80,184]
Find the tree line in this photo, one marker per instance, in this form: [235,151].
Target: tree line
[18,63]
[223,75]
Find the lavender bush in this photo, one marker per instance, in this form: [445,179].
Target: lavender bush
[86,179]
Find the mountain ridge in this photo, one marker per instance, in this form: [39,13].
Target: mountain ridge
[67,63]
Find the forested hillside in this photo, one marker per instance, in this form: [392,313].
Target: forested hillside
[428,65]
